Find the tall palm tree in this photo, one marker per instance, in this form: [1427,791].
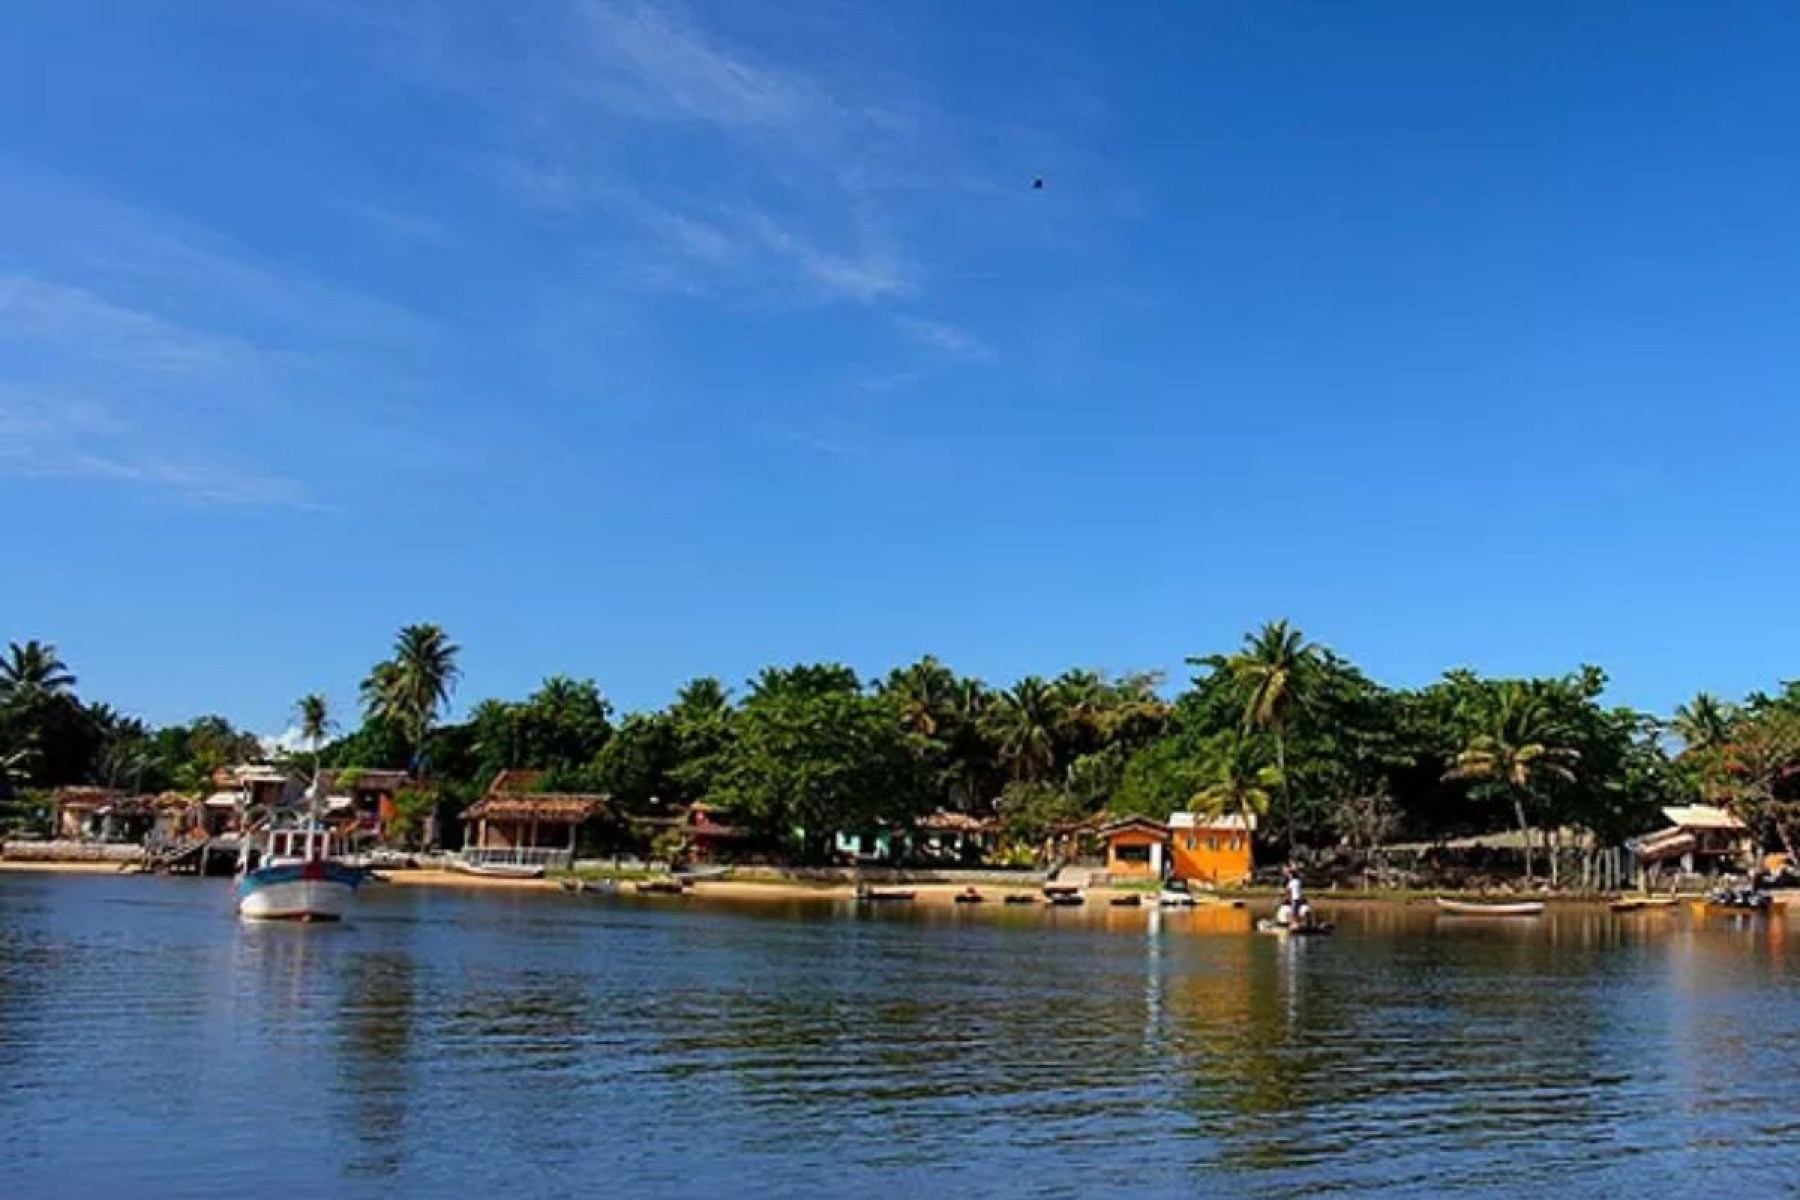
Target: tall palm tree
[31,670]
[314,716]
[924,694]
[971,753]
[1025,719]
[1085,701]
[1516,748]
[412,687]
[1704,723]
[1273,672]
[1242,784]
[315,720]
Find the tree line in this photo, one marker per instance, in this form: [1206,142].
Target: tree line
[1280,728]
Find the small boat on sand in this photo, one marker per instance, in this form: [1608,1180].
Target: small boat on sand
[1175,894]
[1309,929]
[1130,900]
[1643,904]
[969,896]
[662,887]
[1064,899]
[1019,898]
[497,870]
[591,887]
[1483,908]
[875,895]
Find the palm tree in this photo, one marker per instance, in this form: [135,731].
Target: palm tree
[924,693]
[31,670]
[971,750]
[1704,723]
[1273,671]
[1026,719]
[315,722]
[1516,749]
[412,687]
[1241,784]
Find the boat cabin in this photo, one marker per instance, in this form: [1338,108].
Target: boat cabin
[304,841]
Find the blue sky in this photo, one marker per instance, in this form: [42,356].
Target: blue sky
[644,340]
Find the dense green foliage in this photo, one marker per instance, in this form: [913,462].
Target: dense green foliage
[1281,728]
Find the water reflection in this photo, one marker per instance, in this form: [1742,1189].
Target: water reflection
[532,1045]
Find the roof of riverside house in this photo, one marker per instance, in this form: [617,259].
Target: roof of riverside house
[555,808]
[516,780]
[953,822]
[704,820]
[85,796]
[1129,824]
[337,779]
[241,774]
[1701,816]
[511,798]
[1221,822]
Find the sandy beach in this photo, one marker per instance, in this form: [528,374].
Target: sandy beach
[60,868]
[744,889]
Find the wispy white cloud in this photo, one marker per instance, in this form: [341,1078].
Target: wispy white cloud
[664,68]
[47,313]
[946,339]
[50,437]
[140,350]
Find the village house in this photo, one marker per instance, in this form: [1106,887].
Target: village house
[1211,849]
[360,800]
[243,787]
[516,822]
[1700,839]
[1135,849]
[97,814]
[711,835]
[1192,847]
[954,837]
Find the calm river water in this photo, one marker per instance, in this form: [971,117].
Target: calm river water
[492,1045]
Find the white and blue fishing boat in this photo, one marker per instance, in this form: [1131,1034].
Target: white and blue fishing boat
[300,875]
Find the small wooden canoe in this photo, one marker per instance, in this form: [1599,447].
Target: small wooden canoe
[662,887]
[1019,898]
[1644,904]
[1473,908]
[1068,899]
[1129,901]
[969,896]
[1316,929]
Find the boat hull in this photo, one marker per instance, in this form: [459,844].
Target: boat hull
[314,891]
[499,870]
[1465,908]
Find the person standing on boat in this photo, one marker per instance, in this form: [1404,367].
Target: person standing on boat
[1293,896]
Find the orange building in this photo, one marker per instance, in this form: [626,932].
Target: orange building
[1211,849]
[1135,848]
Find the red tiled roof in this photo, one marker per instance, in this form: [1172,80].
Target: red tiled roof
[517,780]
[554,808]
